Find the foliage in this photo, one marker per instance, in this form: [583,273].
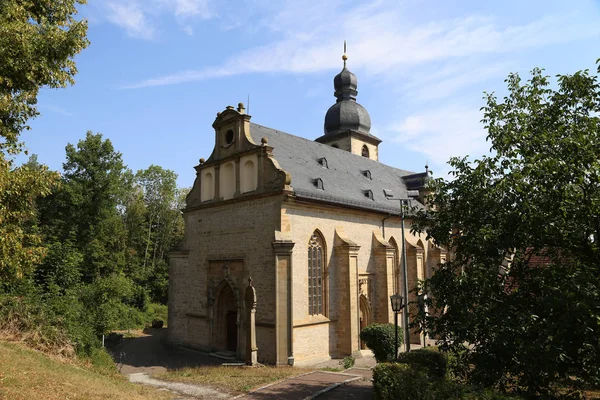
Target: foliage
[21,245]
[381,339]
[399,381]
[523,225]
[348,362]
[38,41]
[432,362]
[394,381]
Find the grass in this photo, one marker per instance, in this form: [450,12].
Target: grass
[27,374]
[233,379]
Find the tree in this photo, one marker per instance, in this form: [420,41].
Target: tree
[155,226]
[523,225]
[38,40]
[87,208]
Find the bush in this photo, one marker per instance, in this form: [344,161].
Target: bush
[348,362]
[432,362]
[380,338]
[400,381]
[394,381]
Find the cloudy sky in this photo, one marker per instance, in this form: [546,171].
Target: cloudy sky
[158,71]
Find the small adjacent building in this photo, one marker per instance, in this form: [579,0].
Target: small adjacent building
[314,223]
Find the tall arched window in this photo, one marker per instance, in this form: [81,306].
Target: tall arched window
[396,270]
[365,151]
[316,274]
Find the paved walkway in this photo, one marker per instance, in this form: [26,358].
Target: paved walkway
[146,355]
[354,383]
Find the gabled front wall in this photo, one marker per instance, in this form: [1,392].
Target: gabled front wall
[227,243]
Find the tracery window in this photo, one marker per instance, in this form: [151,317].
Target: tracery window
[316,279]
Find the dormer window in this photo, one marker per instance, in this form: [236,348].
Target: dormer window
[323,162]
[368,194]
[388,193]
[318,183]
[366,173]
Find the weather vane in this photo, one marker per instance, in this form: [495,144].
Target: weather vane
[344,57]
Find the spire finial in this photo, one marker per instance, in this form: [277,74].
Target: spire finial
[344,57]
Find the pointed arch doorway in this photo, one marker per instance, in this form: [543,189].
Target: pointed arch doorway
[365,317]
[226,321]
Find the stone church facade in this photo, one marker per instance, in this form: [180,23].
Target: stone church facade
[316,226]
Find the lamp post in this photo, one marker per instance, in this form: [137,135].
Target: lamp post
[409,193]
[397,305]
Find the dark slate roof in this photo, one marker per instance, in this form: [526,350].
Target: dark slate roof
[344,180]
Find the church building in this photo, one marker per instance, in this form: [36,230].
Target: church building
[314,224]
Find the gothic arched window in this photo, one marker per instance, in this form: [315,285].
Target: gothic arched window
[316,274]
[365,151]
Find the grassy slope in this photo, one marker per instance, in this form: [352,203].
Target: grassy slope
[27,374]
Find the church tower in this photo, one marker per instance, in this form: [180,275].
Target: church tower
[347,123]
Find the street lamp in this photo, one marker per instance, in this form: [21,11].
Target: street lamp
[409,193]
[397,305]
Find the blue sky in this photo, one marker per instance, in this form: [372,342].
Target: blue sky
[158,71]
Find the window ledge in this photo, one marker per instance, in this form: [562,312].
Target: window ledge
[315,320]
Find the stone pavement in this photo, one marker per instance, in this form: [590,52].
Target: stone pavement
[312,385]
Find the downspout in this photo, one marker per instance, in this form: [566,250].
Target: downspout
[383,225]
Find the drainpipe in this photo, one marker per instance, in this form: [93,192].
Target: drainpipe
[383,225]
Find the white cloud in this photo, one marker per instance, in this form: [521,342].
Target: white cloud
[442,133]
[382,40]
[130,17]
[139,18]
[190,8]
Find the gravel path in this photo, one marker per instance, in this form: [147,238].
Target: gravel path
[195,391]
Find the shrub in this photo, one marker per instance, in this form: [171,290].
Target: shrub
[432,362]
[400,381]
[380,338]
[348,362]
[394,381]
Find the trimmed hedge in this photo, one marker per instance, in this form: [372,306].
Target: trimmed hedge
[434,363]
[380,338]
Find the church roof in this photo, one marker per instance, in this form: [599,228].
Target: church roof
[345,178]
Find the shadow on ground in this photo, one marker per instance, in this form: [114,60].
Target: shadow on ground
[149,353]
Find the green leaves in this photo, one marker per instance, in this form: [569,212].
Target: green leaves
[38,40]
[539,194]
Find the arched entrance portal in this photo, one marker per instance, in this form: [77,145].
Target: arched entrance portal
[365,317]
[226,322]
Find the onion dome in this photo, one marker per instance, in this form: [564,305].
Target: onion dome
[346,114]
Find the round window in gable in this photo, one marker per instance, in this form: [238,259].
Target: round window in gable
[229,137]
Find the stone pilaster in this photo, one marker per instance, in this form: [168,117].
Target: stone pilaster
[348,325]
[384,254]
[283,302]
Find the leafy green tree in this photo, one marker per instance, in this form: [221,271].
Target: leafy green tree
[94,185]
[155,225]
[523,224]
[38,40]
